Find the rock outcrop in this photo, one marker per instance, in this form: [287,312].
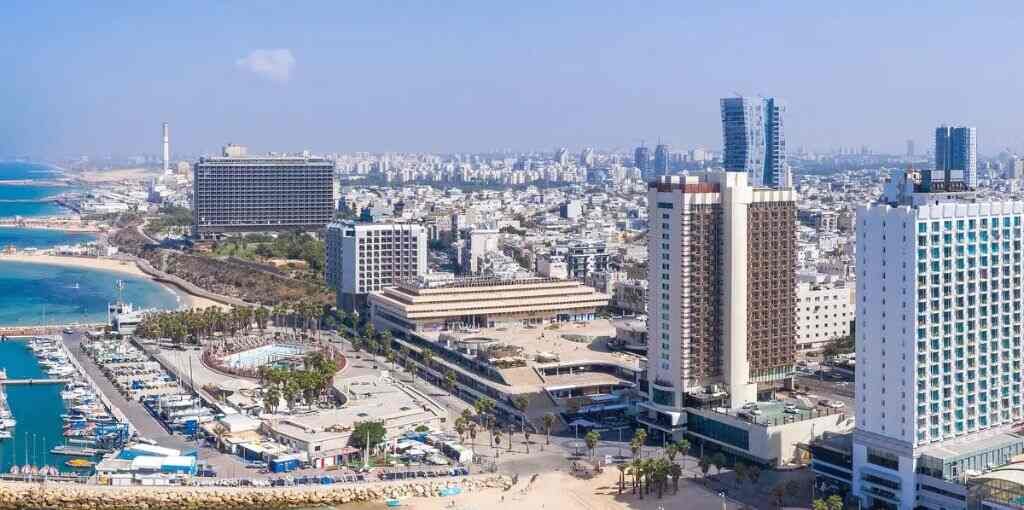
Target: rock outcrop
[21,495]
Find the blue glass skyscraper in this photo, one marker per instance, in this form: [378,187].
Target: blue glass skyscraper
[754,140]
[956,155]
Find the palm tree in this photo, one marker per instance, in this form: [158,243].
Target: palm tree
[819,504]
[271,399]
[460,428]
[522,403]
[683,446]
[640,436]
[660,470]
[622,476]
[548,420]
[671,451]
[740,470]
[428,358]
[449,381]
[484,407]
[591,440]
[496,441]
[676,472]
[636,471]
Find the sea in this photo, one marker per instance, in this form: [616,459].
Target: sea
[34,294]
[26,199]
[36,408]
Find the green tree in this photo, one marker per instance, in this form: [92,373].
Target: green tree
[834,502]
[449,381]
[591,440]
[363,431]
[819,504]
[548,420]
[640,439]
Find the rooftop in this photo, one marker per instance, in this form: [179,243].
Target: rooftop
[971,445]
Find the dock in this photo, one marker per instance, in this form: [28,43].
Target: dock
[76,451]
[11,382]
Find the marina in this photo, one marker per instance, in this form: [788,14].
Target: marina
[59,411]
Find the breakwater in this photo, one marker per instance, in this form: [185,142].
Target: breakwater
[67,496]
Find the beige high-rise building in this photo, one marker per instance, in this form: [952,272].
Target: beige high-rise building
[721,284]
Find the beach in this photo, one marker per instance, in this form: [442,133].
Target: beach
[558,490]
[106,264]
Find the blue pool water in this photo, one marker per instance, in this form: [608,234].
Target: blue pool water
[264,355]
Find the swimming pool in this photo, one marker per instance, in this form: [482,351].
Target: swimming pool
[264,355]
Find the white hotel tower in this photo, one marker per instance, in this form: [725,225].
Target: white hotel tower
[938,338]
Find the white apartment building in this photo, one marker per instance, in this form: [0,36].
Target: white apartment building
[823,313]
[938,339]
[366,257]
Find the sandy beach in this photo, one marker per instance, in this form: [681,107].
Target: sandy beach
[115,175]
[560,491]
[104,264]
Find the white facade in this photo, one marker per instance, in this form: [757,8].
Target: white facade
[823,313]
[364,258]
[937,333]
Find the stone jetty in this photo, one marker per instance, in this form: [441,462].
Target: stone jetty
[66,496]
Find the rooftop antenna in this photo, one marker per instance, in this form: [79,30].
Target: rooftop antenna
[119,285]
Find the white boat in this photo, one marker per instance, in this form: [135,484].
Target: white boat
[5,434]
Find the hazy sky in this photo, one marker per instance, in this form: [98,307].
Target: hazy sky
[97,77]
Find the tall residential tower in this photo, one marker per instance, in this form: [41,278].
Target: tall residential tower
[722,282]
[938,342]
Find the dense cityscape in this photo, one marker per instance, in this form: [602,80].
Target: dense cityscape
[614,320]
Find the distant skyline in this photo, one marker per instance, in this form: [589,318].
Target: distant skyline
[474,76]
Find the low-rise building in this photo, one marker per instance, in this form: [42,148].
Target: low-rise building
[823,312]
[423,304]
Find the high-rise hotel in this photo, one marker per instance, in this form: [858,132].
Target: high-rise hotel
[237,192]
[938,339]
[721,312]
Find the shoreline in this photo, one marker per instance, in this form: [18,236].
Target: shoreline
[185,300]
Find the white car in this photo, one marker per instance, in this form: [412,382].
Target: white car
[835,404]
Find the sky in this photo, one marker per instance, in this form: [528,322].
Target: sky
[466,76]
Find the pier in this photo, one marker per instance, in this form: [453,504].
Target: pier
[11,382]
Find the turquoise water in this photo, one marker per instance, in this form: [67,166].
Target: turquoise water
[33,294]
[21,200]
[40,238]
[37,410]
[264,355]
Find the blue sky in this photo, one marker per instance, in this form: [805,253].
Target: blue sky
[471,76]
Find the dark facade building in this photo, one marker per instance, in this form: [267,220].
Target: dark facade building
[241,193]
[642,160]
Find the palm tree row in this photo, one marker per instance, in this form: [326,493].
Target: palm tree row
[196,324]
[648,474]
[304,316]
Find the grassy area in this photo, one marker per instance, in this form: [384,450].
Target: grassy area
[259,247]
